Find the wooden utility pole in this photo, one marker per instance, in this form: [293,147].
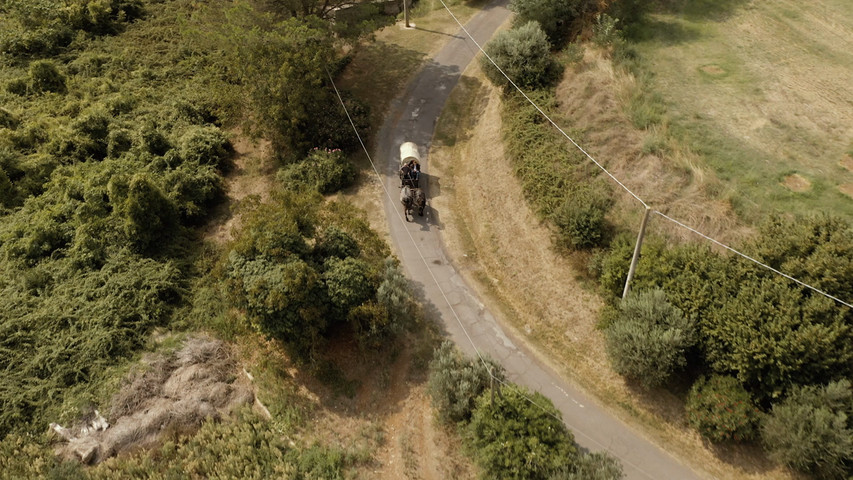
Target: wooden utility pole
[636,253]
[406,13]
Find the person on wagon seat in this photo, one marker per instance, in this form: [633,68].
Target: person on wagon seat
[406,175]
[415,168]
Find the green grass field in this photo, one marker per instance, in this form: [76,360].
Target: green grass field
[762,91]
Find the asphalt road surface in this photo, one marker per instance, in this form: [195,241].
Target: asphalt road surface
[418,244]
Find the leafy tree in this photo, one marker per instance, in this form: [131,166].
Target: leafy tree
[395,295]
[281,66]
[650,338]
[558,18]
[812,430]
[334,242]
[523,53]
[456,381]
[516,439]
[771,337]
[350,282]
[284,300]
[591,466]
[722,410]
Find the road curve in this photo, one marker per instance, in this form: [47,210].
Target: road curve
[412,117]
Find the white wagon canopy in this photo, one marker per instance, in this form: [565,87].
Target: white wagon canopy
[409,151]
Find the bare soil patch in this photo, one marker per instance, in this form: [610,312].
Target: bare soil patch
[252,174]
[388,414]
[797,183]
[713,70]
[846,189]
[174,394]
[847,162]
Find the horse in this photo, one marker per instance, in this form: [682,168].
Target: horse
[411,198]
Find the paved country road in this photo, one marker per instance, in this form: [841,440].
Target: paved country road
[418,244]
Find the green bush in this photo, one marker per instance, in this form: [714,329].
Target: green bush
[7,190]
[205,145]
[456,381]
[150,216]
[812,430]
[395,295]
[45,77]
[334,242]
[580,219]
[193,188]
[516,439]
[119,141]
[371,323]
[523,54]
[325,171]
[153,140]
[349,281]
[559,19]
[650,339]
[284,300]
[17,86]
[771,336]
[722,410]
[8,119]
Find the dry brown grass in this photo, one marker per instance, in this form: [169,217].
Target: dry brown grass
[501,247]
[252,174]
[668,176]
[797,183]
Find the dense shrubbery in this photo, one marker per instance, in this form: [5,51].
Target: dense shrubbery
[722,410]
[591,466]
[218,450]
[516,439]
[46,26]
[324,171]
[560,19]
[547,170]
[294,292]
[516,434]
[455,382]
[649,339]
[812,430]
[522,54]
[769,333]
[580,219]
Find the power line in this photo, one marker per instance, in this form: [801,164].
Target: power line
[706,237]
[554,124]
[447,301]
[411,237]
[821,292]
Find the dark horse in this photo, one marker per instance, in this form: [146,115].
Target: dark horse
[411,198]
